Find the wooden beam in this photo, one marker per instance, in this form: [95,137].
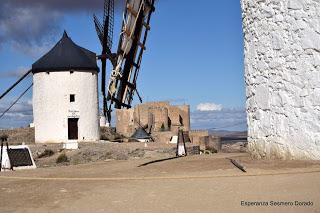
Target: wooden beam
[141,45]
[132,11]
[147,26]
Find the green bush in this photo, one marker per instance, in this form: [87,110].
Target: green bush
[62,158]
[46,153]
[162,128]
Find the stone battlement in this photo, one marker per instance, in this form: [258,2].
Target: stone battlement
[154,116]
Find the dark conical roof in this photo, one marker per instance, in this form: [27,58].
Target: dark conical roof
[64,56]
[140,134]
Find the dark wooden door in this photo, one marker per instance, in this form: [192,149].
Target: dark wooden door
[73,128]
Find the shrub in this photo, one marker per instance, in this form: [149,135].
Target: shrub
[162,128]
[46,153]
[62,158]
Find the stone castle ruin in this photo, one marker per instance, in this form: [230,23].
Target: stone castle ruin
[282,75]
[162,121]
[154,117]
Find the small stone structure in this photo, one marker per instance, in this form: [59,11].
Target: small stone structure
[206,141]
[282,74]
[197,135]
[154,117]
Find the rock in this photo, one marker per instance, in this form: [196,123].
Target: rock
[310,40]
[295,4]
[262,97]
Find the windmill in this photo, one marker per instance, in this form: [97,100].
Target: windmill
[126,62]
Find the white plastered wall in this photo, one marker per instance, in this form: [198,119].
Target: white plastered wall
[282,73]
[52,107]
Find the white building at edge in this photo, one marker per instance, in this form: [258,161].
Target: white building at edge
[282,73]
[65,94]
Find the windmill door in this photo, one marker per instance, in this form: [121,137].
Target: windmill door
[73,128]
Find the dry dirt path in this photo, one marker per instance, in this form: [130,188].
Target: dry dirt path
[191,184]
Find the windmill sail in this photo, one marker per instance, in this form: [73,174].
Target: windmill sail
[135,27]
[105,35]
[126,62]
[108,20]
[99,28]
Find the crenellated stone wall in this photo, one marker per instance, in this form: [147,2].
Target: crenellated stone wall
[282,75]
[159,116]
[197,135]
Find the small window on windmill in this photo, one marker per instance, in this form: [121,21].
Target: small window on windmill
[72,98]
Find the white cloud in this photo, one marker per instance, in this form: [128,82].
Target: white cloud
[20,115]
[209,107]
[226,119]
[30,26]
[17,73]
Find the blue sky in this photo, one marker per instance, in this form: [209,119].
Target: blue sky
[194,56]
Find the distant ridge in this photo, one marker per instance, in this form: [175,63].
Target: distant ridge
[226,133]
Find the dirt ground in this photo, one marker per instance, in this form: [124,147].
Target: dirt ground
[203,183]
[46,155]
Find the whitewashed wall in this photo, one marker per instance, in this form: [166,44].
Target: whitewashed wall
[52,107]
[282,73]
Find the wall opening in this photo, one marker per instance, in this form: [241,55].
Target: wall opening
[73,128]
[72,98]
